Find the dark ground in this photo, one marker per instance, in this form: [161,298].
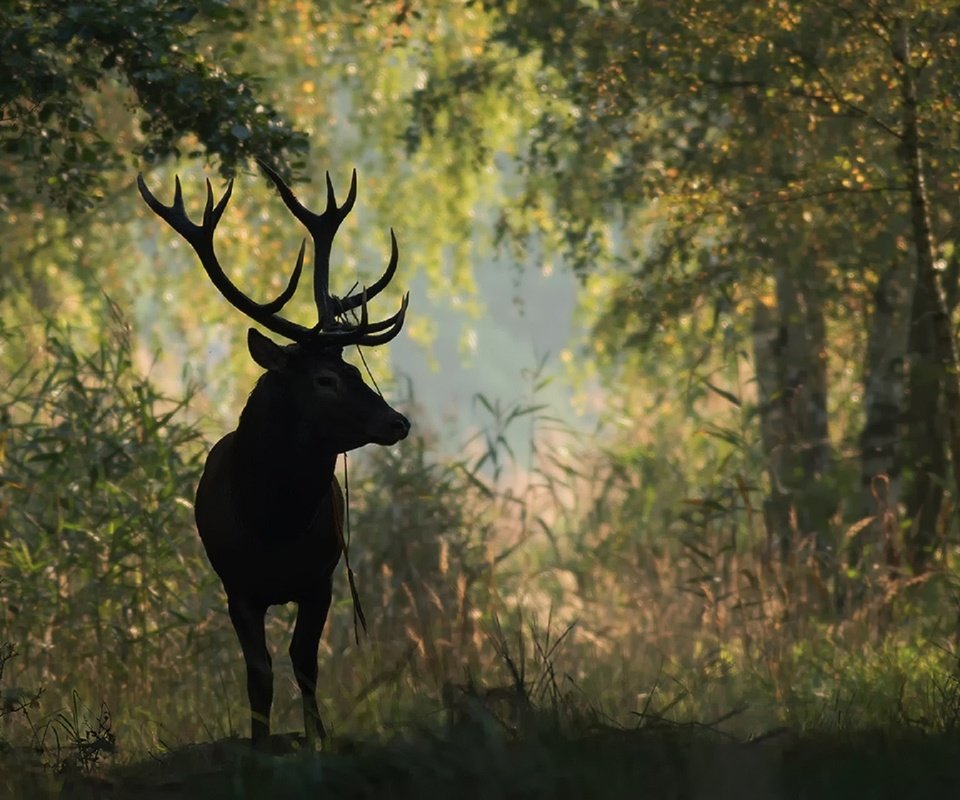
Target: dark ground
[484,761]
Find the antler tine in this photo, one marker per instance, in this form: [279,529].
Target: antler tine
[365,334]
[177,195]
[382,325]
[395,323]
[364,320]
[211,215]
[281,299]
[353,301]
[200,238]
[347,206]
[156,206]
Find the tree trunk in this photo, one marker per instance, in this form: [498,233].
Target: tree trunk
[925,448]
[881,443]
[789,347]
[932,335]
[776,506]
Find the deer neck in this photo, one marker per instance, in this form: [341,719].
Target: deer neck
[281,469]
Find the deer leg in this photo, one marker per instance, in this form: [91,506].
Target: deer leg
[248,621]
[311,617]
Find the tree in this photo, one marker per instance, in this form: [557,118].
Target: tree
[782,162]
[77,75]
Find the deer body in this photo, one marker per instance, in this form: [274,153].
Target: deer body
[272,558]
[269,510]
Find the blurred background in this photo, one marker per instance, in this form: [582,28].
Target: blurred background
[680,356]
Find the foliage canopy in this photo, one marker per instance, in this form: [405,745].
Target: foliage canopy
[76,75]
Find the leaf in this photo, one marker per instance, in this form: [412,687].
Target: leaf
[728,396]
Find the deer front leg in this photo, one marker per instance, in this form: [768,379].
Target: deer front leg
[248,621]
[311,617]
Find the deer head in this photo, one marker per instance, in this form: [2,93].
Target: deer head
[317,384]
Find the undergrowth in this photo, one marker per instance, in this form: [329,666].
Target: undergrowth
[507,591]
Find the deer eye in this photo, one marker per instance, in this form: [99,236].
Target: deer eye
[326,381]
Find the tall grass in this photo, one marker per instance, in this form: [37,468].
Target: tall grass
[105,591]
[564,578]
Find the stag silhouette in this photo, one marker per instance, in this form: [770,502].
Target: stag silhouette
[269,509]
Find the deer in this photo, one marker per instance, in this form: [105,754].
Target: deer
[269,509]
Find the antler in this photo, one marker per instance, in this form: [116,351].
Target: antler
[322,228]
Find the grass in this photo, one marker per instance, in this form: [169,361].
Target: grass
[879,723]
[483,758]
[545,629]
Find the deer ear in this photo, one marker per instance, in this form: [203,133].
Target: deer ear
[267,353]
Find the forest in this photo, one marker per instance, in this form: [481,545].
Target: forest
[677,514]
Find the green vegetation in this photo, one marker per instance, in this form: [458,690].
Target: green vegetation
[743,582]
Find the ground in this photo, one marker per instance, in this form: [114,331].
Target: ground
[487,761]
